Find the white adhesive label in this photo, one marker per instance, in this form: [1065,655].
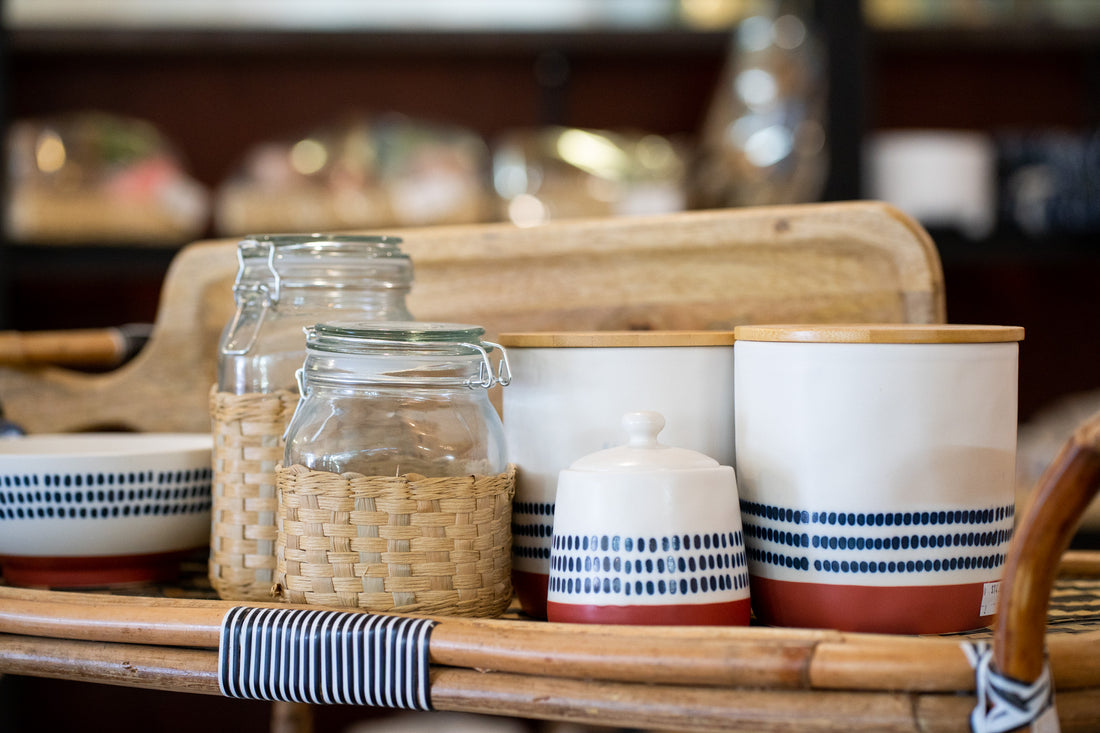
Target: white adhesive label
[990,593]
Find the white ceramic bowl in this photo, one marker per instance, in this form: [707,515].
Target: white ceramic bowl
[100,508]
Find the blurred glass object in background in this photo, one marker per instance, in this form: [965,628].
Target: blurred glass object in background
[561,172]
[763,139]
[362,172]
[93,176]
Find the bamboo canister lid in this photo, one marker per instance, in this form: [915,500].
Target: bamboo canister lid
[615,339]
[886,333]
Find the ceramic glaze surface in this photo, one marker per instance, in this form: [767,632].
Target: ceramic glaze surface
[646,526]
[93,496]
[564,403]
[876,466]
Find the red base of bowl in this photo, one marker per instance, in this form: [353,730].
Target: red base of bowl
[732,613]
[531,590]
[928,609]
[78,572]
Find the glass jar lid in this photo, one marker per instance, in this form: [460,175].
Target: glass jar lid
[373,244]
[267,262]
[351,337]
[404,343]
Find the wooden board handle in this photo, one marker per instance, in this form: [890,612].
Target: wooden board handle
[83,347]
[1047,524]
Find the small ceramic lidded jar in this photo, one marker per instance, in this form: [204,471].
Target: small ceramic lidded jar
[648,534]
[569,391]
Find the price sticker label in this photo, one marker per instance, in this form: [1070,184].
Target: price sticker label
[990,593]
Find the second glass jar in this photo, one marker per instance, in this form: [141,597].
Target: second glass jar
[397,398]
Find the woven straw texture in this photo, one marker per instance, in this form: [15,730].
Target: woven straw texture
[401,544]
[248,445]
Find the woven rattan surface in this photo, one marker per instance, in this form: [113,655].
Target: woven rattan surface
[407,544]
[248,445]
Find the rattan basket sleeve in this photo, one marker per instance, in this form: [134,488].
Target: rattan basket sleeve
[401,544]
[248,445]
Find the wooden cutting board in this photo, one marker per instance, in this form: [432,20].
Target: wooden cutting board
[711,270]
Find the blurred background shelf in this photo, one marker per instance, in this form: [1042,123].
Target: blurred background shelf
[216,88]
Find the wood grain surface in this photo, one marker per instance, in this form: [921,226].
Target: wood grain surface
[857,262]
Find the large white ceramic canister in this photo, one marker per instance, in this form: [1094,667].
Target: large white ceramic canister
[568,394]
[876,466]
[647,533]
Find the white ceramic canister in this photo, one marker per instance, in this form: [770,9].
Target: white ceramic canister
[645,533]
[567,396]
[876,466]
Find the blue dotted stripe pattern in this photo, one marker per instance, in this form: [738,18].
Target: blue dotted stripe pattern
[325,657]
[854,543]
[671,565]
[532,529]
[104,495]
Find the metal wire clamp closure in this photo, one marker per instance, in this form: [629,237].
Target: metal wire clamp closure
[270,296]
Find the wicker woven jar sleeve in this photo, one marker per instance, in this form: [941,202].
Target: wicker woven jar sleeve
[248,444]
[397,544]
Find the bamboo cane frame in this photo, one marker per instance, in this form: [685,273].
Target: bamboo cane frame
[721,657]
[1054,509]
[597,702]
[703,679]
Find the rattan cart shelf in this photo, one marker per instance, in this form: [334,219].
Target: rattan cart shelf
[856,261]
[682,678]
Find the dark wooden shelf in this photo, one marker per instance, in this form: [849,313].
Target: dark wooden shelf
[187,42]
[1017,36]
[1009,246]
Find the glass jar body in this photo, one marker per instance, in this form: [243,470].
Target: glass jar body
[286,283]
[397,431]
[395,408]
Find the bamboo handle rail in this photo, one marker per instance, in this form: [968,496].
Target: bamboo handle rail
[733,657]
[500,693]
[596,702]
[686,656]
[1048,523]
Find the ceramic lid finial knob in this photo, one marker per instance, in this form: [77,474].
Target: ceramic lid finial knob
[642,428]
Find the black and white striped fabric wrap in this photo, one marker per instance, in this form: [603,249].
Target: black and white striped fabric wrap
[325,657]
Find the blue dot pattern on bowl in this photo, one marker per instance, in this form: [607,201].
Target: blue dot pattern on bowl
[532,528]
[85,496]
[897,543]
[649,567]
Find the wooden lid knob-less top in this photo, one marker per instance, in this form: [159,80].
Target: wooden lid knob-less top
[890,333]
[614,339]
[856,333]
